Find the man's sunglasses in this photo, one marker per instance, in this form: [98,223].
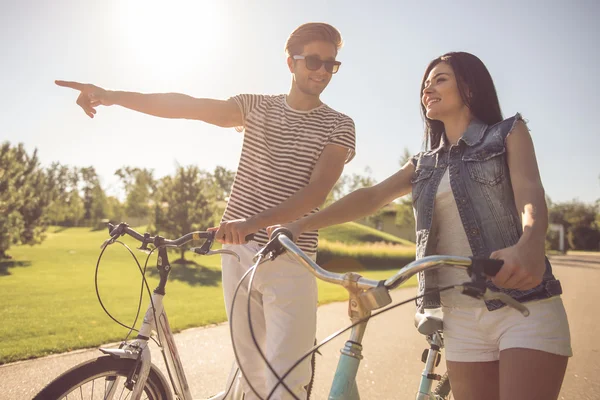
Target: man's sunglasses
[314,63]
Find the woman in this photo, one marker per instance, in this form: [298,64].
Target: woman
[477,191]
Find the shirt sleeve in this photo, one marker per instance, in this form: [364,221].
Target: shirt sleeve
[247,103]
[344,135]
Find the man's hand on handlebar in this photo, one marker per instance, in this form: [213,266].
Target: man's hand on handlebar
[237,231]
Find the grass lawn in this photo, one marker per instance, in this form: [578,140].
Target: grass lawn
[355,233]
[49,300]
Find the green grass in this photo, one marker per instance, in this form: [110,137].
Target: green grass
[50,306]
[355,233]
[355,247]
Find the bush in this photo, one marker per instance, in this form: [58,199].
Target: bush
[341,257]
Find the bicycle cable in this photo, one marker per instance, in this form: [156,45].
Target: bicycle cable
[235,353]
[360,321]
[279,379]
[143,283]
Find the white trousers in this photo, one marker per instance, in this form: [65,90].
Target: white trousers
[283,303]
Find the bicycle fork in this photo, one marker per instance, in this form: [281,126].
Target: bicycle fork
[431,357]
[138,349]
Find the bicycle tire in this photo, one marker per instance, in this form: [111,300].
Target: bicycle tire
[313,364]
[443,389]
[78,380]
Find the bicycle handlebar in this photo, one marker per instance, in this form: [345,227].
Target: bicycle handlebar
[124,229]
[282,237]
[477,268]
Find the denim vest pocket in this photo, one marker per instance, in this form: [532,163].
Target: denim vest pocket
[419,181]
[487,166]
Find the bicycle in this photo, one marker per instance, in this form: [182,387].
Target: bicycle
[132,360]
[366,295]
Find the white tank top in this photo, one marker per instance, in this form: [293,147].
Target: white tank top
[450,239]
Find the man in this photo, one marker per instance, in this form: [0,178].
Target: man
[294,151]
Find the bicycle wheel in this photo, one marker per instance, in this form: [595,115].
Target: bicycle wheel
[443,389]
[313,364]
[90,380]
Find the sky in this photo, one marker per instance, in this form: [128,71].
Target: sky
[543,57]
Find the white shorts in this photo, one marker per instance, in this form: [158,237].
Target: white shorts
[478,335]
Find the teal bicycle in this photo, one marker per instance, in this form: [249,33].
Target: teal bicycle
[366,295]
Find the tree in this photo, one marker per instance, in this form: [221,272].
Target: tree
[75,206]
[185,203]
[347,184]
[223,180]
[94,198]
[115,210]
[139,185]
[58,180]
[579,220]
[24,197]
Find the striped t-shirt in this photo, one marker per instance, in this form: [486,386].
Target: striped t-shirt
[280,150]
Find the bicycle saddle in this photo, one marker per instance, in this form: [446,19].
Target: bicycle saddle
[430,321]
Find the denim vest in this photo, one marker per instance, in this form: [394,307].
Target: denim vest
[480,181]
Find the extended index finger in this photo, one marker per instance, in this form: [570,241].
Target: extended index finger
[72,85]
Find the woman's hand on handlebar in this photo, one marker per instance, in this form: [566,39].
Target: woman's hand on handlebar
[294,227]
[523,269]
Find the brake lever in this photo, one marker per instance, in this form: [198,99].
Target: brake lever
[106,243]
[204,252]
[224,251]
[114,232]
[109,241]
[506,299]
[479,292]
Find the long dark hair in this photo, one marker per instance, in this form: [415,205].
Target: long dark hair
[476,89]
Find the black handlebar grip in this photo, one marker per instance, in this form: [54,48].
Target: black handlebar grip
[489,266]
[282,231]
[110,227]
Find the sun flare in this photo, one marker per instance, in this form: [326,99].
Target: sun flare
[169,36]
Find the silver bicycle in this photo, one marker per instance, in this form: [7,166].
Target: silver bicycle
[128,372]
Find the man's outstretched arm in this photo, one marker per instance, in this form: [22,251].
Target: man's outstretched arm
[224,113]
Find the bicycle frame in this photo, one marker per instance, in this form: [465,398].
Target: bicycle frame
[344,381]
[156,320]
[436,343]
[367,295]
